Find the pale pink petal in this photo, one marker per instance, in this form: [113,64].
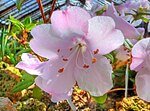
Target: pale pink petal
[142,84]
[127,29]
[58,82]
[149,27]
[72,20]
[137,64]
[102,35]
[56,97]
[30,64]
[44,43]
[139,53]
[97,78]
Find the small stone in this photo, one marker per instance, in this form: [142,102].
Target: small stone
[6,105]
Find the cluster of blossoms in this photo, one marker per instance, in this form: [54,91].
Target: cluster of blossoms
[75,44]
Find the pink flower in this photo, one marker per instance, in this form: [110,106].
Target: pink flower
[141,63]
[75,44]
[127,29]
[131,5]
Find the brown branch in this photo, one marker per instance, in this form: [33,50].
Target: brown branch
[41,9]
[51,11]
[119,89]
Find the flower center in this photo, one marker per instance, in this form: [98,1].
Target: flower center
[79,54]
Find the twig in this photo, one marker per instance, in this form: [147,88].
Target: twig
[51,11]
[41,9]
[118,89]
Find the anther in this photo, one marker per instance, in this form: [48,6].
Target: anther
[85,66]
[94,60]
[61,70]
[96,51]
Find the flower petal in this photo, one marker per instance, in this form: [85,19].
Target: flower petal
[56,97]
[139,53]
[127,29]
[58,76]
[72,20]
[102,35]
[97,78]
[142,84]
[30,64]
[44,42]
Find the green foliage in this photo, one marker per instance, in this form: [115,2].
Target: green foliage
[3,42]
[19,4]
[10,39]
[27,24]
[16,23]
[111,57]
[128,44]
[100,99]
[37,93]
[27,80]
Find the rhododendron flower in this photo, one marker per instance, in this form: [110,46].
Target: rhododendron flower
[127,29]
[131,5]
[74,44]
[141,63]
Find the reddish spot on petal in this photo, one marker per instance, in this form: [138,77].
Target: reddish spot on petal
[70,49]
[61,70]
[65,59]
[96,51]
[58,50]
[85,66]
[64,12]
[94,60]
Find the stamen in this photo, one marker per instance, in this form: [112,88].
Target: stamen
[61,70]
[96,51]
[77,60]
[64,59]
[85,66]
[94,60]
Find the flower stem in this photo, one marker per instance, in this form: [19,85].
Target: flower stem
[126,81]
[71,104]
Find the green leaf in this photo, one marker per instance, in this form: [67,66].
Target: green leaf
[100,99]
[110,56]
[30,26]
[37,93]
[27,20]
[128,44]
[19,3]
[2,41]
[28,80]
[146,20]
[22,51]
[26,76]
[22,85]
[12,58]
[16,22]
